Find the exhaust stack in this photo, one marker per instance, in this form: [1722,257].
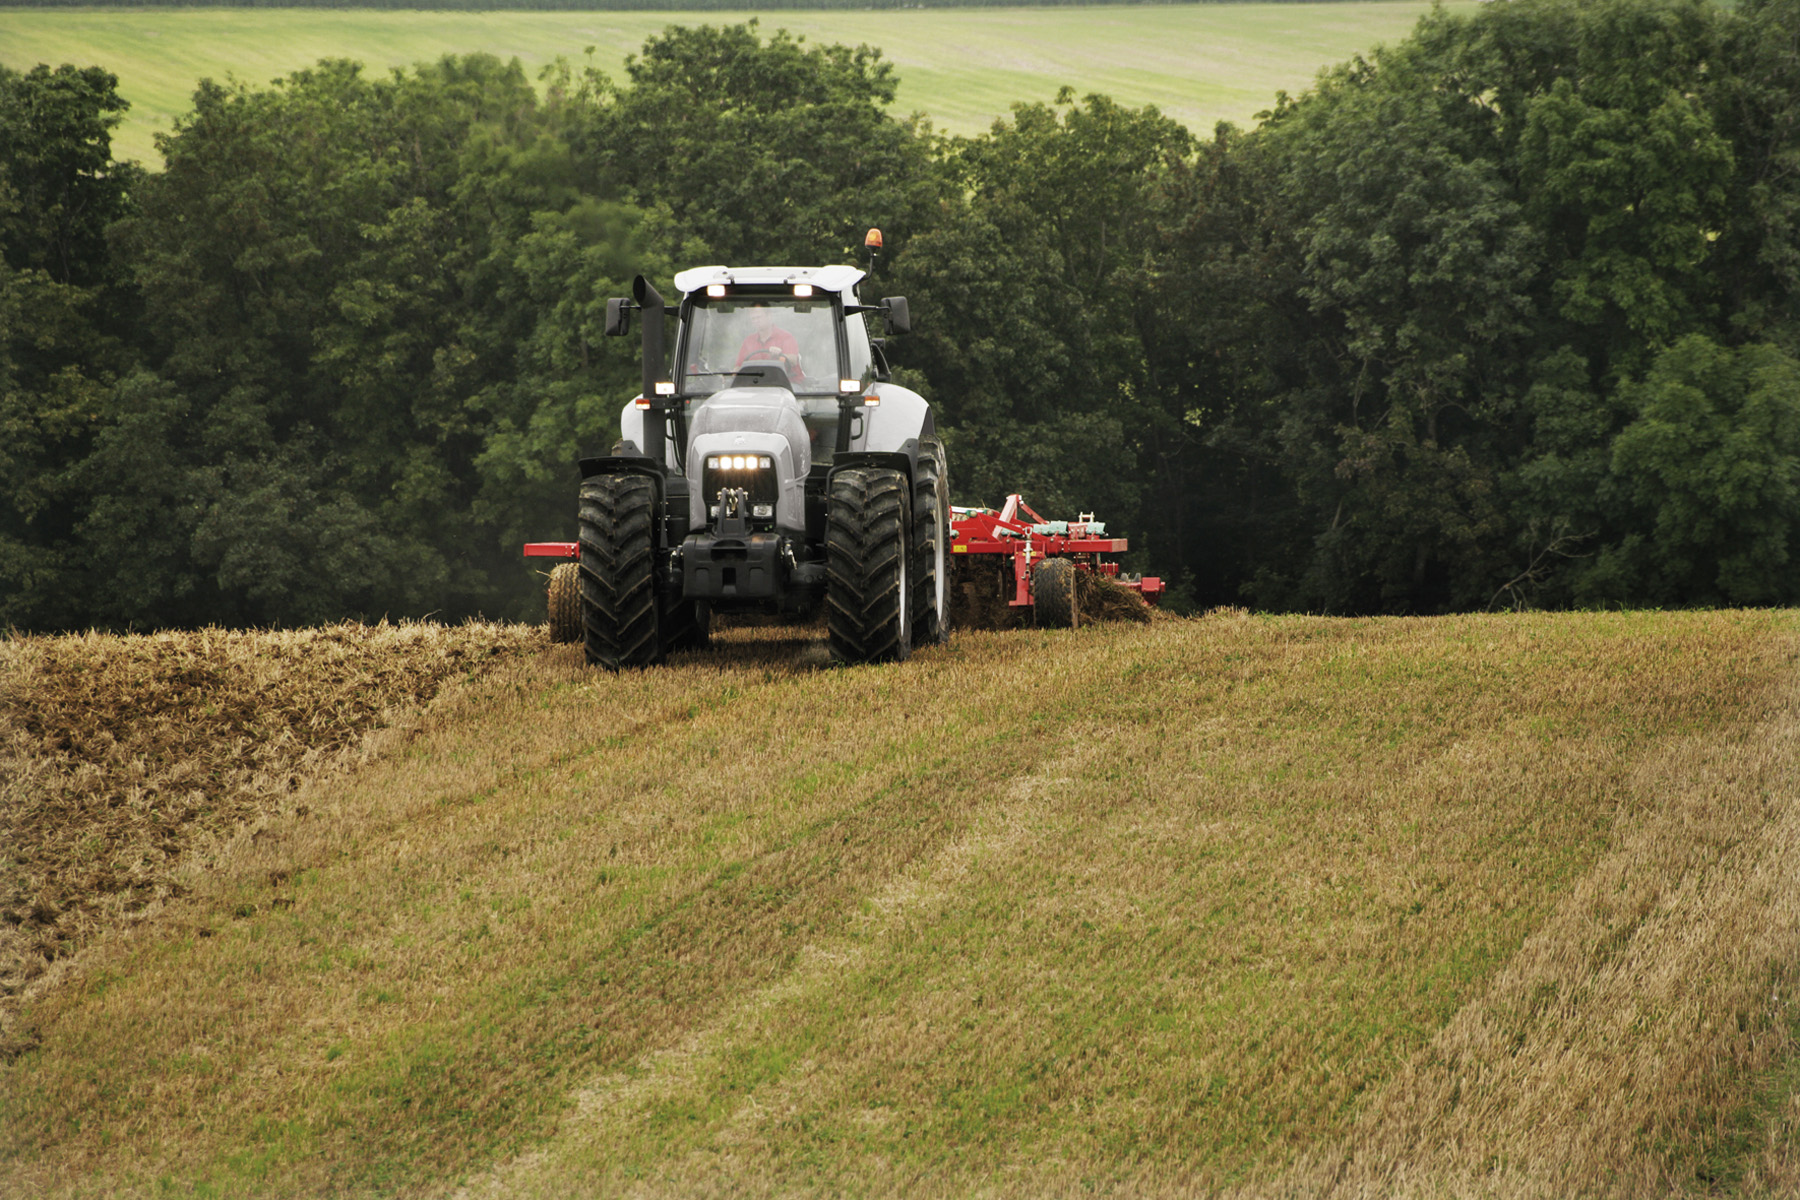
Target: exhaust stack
[656,388]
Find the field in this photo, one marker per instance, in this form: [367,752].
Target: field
[1198,63]
[1474,906]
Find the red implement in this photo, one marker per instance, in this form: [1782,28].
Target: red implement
[1029,542]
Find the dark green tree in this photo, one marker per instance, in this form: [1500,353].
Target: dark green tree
[1757,101]
[66,314]
[1710,466]
[1031,306]
[56,160]
[1438,271]
[344,271]
[760,151]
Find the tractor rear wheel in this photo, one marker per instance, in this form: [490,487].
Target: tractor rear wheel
[867,522]
[1053,594]
[619,607]
[931,548]
[565,603]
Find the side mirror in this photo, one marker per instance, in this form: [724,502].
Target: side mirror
[618,317]
[898,319]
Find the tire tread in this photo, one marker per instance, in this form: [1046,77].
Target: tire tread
[618,572]
[1053,594]
[865,544]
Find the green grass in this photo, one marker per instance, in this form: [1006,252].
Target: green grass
[1150,909]
[1198,63]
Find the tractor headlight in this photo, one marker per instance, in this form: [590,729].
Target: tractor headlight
[753,474]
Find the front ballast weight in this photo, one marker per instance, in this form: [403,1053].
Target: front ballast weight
[768,466]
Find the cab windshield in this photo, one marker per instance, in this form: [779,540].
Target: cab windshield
[798,336]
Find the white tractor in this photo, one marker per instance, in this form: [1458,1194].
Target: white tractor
[769,466]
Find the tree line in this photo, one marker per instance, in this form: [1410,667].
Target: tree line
[1502,316]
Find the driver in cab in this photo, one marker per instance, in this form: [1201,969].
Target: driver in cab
[768,342]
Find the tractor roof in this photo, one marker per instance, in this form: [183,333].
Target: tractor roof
[831,279]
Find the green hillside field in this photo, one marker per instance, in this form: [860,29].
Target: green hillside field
[1199,63]
[1482,906]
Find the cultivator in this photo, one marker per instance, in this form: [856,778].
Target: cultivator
[1040,567]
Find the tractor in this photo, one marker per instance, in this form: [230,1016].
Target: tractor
[769,466]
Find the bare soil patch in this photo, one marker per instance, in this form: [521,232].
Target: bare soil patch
[123,757]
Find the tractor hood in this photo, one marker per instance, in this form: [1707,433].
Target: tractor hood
[753,410]
[752,420]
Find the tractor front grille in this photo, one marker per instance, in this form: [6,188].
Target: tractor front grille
[755,473]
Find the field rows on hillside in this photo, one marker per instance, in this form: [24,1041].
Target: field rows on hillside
[1479,905]
[962,67]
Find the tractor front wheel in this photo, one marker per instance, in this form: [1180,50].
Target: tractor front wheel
[867,522]
[1053,594]
[618,572]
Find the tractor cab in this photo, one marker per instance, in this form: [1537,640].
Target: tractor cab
[800,330]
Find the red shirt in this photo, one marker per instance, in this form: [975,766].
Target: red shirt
[779,340]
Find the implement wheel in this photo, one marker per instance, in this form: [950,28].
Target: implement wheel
[565,603]
[620,617]
[867,520]
[1053,594]
[931,548]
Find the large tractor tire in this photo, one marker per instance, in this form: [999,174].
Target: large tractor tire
[1053,594]
[619,608]
[565,603]
[930,599]
[867,522]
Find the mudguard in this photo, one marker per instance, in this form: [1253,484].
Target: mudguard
[902,416]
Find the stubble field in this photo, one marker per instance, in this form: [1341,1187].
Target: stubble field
[1484,906]
[1199,63]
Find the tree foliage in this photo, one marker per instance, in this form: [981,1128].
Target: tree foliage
[754,150]
[1032,351]
[1452,260]
[66,317]
[1504,314]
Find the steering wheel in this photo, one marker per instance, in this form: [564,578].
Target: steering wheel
[790,363]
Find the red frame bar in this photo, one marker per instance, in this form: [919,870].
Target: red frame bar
[553,550]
